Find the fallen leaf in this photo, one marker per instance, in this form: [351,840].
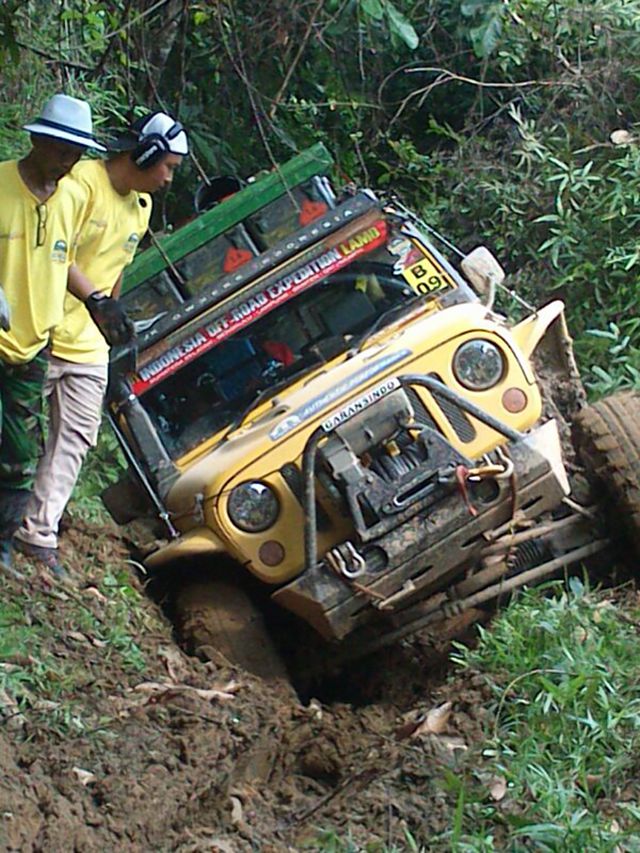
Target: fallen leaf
[451,744]
[85,777]
[443,748]
[10,710]
[77,636]
[498,788]
[226,692]
[621,137]
[435,722]
[158,689]
[593,779]
[46,705]
[206,839]
[237,813]
[174,662]
[13,661]
[315,709]
[92,590]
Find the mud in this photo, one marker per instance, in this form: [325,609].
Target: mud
[191,756]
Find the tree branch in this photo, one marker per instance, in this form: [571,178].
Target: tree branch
[54,59]
[292,67]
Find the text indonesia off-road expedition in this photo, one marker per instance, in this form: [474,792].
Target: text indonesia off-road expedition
[320,398]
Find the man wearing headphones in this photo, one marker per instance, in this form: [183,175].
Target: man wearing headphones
[141,161]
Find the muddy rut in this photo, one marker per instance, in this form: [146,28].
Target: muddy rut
[180,755]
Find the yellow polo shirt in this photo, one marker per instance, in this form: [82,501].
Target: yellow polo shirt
[34,277]
[114,227]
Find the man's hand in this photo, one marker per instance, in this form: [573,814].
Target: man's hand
[111,318]
[5,312]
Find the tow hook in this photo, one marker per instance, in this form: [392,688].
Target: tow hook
[350,564]
[461,475]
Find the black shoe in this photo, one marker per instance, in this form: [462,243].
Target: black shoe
[47,557]
[6,554]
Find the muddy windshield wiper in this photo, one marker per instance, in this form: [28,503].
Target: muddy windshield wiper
[381,319]
[263,394]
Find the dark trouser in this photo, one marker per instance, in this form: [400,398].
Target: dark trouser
[21,436]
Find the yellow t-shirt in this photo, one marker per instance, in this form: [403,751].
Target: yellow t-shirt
[34,277]
[114,227]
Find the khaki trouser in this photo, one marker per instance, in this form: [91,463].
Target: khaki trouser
[75,393]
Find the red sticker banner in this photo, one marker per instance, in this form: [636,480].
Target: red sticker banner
[261,303]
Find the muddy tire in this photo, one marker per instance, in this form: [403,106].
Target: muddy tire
[219,617]
[607,438]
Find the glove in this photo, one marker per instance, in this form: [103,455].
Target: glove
[5,313]
[111,318]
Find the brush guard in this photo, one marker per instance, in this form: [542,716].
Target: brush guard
[409,553]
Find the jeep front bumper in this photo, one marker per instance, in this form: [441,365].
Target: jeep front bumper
[426,547]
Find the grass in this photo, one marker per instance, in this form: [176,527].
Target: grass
[558,769]
[330,841]
[53,648]
[563,671]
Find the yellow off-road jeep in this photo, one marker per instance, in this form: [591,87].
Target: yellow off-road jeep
[323,400]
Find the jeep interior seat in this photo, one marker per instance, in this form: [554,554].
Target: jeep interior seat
[348,312]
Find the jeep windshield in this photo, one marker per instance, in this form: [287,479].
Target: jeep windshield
[216,389]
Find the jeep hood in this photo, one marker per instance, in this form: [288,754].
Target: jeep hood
[280,426]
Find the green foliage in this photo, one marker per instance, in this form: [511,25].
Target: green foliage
[40,682]
[619,354]
[331,841]
[567,727]
[485,34]
[8,35]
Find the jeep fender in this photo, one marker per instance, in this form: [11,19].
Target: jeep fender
[546,335]
[194,543]
[529,332]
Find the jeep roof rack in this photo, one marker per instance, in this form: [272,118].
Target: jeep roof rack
[312,162]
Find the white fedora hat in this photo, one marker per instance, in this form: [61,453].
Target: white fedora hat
[67,119]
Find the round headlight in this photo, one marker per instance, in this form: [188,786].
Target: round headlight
[253,506]
[478,365]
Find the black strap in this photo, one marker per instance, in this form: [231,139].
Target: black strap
[64,127]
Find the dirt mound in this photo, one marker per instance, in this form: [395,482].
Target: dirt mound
[113,739]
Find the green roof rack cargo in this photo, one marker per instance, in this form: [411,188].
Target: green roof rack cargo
[253,219]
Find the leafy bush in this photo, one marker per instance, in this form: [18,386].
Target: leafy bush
[566,731]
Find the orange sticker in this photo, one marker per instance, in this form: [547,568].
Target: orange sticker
[311,210]
[235,258]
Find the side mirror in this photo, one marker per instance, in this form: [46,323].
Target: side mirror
[483,272]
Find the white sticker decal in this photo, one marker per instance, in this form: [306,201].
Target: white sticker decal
[354,406]
[317,404]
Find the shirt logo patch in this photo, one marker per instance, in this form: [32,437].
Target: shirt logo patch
[59,253]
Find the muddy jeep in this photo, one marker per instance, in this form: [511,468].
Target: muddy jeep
[323,399]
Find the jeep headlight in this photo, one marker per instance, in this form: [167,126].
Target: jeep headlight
[478,364]
[253,506]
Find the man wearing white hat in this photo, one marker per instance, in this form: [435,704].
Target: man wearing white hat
[41,214]
[142,161]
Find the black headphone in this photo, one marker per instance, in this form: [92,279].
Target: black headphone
[152,147]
